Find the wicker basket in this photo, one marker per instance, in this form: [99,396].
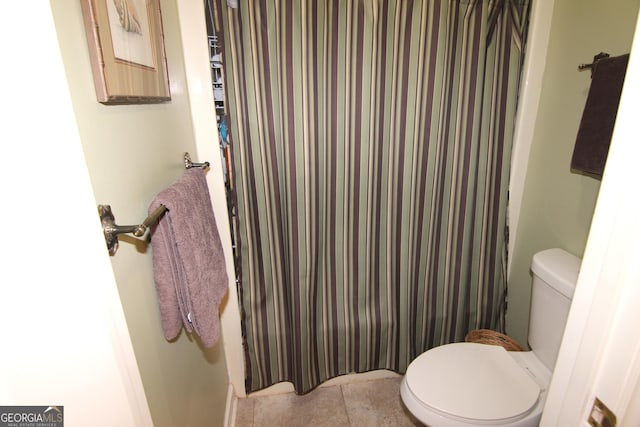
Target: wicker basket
[487,336]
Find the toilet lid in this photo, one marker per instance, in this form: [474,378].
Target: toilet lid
[472,381]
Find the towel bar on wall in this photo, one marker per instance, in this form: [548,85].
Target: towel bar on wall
[112,230]
[596,58]
[188,164]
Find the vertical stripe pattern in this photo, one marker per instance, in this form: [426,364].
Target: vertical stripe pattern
[371,143]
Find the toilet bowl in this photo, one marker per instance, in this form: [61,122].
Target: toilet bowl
[471,384]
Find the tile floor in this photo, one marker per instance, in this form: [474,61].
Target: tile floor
[373,403]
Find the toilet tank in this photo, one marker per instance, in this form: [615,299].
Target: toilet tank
[555,273]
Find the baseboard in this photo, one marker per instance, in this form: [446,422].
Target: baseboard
[231,408]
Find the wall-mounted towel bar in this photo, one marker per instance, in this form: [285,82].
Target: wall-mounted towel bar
[188,164]
[112,230]
[596,58]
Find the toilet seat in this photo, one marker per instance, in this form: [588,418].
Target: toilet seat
[472,383]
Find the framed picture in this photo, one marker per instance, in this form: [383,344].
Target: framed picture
[126,46]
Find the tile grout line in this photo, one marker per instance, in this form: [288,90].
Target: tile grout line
[344,402]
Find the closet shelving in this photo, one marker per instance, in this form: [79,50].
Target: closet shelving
[215,59]
[214,29]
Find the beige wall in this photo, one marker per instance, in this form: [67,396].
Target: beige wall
[132,152]
[557,205]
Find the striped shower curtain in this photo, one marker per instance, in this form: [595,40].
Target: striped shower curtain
[371,143]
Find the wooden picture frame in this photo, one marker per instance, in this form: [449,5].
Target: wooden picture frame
[126,45]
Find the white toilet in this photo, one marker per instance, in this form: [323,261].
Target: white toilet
[469,384]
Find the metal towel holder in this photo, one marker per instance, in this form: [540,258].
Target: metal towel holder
[112,230]
[596,58]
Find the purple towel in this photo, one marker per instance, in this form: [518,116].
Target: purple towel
[188,261]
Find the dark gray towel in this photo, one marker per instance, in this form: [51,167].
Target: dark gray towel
[599,116]
[188,261]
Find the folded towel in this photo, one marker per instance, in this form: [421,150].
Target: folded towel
[599,116]
[188,261]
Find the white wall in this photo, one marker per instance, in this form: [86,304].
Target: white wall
[64,338]
[535,62]
[198,77]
